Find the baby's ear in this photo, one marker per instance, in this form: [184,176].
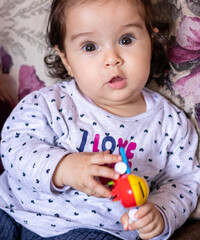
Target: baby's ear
[64,60]
[61,55]
[155,31]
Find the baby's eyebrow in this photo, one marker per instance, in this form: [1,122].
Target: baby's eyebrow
[133,25]
[83,34]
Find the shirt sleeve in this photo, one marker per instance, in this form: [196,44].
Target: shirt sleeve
[176,189]
[30,148]
[57,190]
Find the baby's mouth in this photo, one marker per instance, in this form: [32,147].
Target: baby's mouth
[117,82]
[116,79]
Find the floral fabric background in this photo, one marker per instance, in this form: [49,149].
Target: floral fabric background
[182,82]
[23,47]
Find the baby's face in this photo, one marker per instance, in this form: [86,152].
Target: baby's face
[108,50]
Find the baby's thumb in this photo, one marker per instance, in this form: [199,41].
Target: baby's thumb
[125,221]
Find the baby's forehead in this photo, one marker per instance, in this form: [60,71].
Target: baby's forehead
[101,9]
[73,3]
[75,10]
[140,4]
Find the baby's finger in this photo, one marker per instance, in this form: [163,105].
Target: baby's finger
[105,158]
[103,171]
[149,234]
[143,210]
[97,190]
[142,222]
[148,228]
[125,221]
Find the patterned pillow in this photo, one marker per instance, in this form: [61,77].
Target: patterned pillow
[23,47]
[182,83]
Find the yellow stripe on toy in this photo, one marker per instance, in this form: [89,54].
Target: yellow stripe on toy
[140,189]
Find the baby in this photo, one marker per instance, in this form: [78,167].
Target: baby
[60,144]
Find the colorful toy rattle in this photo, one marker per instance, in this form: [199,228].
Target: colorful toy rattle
[131,190]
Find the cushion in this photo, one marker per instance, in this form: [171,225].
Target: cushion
[182,82]
[22,44]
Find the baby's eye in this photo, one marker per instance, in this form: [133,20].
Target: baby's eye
[126,40]
[89,47]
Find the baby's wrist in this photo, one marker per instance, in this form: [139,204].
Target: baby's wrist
[57,178]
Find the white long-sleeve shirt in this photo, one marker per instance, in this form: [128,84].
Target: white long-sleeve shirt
[48,124]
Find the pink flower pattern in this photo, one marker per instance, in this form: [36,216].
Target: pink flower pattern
[187,53]
[28,81]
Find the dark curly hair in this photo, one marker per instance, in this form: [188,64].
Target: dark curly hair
[56,31]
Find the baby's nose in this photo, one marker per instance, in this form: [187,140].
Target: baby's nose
[112,59]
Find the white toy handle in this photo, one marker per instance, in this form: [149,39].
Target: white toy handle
[131,213]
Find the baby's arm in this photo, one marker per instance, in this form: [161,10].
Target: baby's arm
[78,170]
[32,156]
[149,223]
[28,147]
[176,188]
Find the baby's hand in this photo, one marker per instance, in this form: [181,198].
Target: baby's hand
[78,170]
[149,224]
